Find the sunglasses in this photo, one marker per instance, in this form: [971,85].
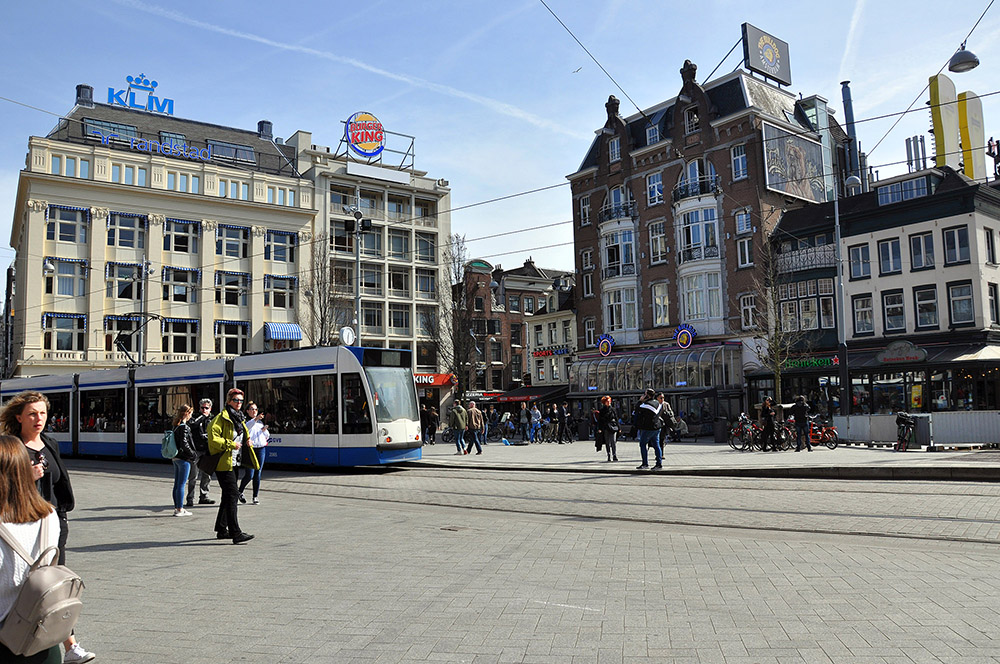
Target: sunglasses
[236,400]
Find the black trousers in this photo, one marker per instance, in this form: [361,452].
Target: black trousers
[226,521]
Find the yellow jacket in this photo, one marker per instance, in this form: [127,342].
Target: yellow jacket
[220,440]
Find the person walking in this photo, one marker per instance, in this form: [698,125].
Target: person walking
[433,421]
[25,416]
[767,439]
[424,415]
[607,427]
[458,422]
[475,428]
[562,417]
[259,436]
[25,514]
[524,419]
[666,420]
[800,412]
[536,422]
[647,423]
[199,433]
[185,456]
[228,439]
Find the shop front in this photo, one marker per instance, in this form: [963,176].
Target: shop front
[435,390]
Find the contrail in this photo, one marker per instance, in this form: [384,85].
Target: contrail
[491,104]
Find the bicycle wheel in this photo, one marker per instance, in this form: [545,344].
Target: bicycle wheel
[494,434]
[447,436]
[831,440]
[734,440]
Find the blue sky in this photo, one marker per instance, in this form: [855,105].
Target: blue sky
[500,98]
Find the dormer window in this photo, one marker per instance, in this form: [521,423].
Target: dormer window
[691,124]
[652,134]
[902,191]
[614,150]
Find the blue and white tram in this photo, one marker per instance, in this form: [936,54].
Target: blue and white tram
[329,406]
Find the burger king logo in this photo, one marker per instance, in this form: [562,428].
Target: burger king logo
[364,134]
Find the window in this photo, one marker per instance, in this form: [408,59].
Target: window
[70,278]
[232,151]
[566,334]
[860,262]
[426,284]
[399,282]
[516,367]
[960,305]
[825,286]
[65,225]
[994,303]
[65,332]
[925,300]
[342,276]
[426,321]
[179,182]
[493,326]
[85,169]
[748,312]
[56,165]
[123,132]
[587,259]
[744,249]
[921,251]
[279,292]
[808,314]
[180,337]
[553,337]
[585,211]
[991,250]
[657,242]
[863,321]
[619,256]
[399,319]
[691,123]
[124,282]
[371,317]
[232,288]
[496,352]
[425,247]
[234,189]
[399,244]
[889,257]
[342,240]
[540,370]
[614,150]
[661,305]
[128,231]
[588,285]
[371,242]
[232,241]
[279,247]
[538,335]
[956,245]
[619,306]
[590,332]
[652,134]
[738,155]
[789,316]
[513,303]
[892,311]
[699,236]
[118,331]
[479,304]
[397,209]
[902,191]
[827,319]
[180,236]
[168,136]
[231,338]
[554,368]
[529,305]
[701,295]
[743,223]
[654,189]
[180,285]
[371,279]
[515,334]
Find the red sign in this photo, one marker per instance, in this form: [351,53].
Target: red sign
[435,380]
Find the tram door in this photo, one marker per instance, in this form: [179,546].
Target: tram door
[357,439]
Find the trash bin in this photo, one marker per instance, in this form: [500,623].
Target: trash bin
[721,430]
[921,428]
[583,430]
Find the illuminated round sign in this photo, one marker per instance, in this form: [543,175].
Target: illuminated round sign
[684,335]
[365,134]
[605,343]
[770,54]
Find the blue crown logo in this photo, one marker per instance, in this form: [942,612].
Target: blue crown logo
[140,82]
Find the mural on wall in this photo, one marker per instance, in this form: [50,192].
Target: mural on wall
[794,164]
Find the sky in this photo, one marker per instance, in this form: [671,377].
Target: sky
[499,97]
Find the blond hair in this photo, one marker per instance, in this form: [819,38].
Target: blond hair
[20,501]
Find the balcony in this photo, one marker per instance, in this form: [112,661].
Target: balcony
[807,259]
[618,270]
[703,186]
[612,212]
[699,253]
[64,356]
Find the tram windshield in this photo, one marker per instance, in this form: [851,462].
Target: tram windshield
[393,394]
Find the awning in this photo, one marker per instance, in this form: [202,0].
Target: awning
[434,380]
[282,332]
[535,393]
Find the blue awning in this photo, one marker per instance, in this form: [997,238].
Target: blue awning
[282,332]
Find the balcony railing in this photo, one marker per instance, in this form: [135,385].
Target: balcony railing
[807,259]
[692,188]
[699,253]
[618,270]
[64,355]
[611,212]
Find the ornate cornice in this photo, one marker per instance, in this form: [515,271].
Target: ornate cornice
[37,205]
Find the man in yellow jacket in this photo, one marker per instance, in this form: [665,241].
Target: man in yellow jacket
[228,440]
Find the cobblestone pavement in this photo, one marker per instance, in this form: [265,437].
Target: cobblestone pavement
[464,564]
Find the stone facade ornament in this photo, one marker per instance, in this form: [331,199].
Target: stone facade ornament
[258,231]
[305,236]
[156,219]
[99,213]
[38,205]
[209,224]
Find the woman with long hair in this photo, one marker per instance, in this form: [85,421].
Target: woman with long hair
[25,416]
[24,514]
[186,455]
[607,427]
[259,436]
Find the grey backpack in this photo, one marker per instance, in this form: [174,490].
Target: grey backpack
[48,603]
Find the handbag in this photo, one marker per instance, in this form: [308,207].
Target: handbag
[207,463]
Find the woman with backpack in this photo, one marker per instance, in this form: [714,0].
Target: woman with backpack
[184,440]
[24,514]
[25,416]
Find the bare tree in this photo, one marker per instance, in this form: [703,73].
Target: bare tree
[327,295]
[456,345]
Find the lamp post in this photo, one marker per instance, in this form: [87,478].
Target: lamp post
[845,375]
[357,226]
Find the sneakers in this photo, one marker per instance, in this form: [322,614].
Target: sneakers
[615,459]
[189,503]
[243,499]
[256,501]
[77,655]
[242,537]
[205,500]
[658,466]
[642,467]
[182,512]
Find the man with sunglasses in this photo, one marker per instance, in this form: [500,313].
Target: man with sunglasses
[199,431]
[229,439]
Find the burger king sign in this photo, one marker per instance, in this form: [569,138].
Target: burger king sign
[364,134]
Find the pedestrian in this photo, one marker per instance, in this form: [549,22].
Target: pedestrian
[475,428]
[228,439]
[185,456]
[25,416]
[536,422]
[666,419]
[24,513]
[259,437]
[458,422]
[199,433]
[524,418]
[647,424]
[800,412]
[562,417]
[767,439]
[424,415]
[607,427]
[433,421]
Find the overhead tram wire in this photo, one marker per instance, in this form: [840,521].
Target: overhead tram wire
[726,56]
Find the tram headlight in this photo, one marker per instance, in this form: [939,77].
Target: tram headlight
[383,432]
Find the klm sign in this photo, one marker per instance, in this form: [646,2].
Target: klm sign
[140,83]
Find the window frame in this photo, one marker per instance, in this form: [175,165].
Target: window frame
[614,150]
[886,316]
[279,292]
[917,302]
[857,300]
[956,232]
[890,257]
[863,262]
[654,189]
[952,320]
[922,247]
[660,301]
[739,162]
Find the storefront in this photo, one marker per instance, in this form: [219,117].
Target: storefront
[435,390]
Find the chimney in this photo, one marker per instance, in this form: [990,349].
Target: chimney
[264,128]
[852,168]
[85,95]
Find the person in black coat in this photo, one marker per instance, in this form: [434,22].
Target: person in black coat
[767,440]
[607,428]
[186,456]
[800,411]
[199,429]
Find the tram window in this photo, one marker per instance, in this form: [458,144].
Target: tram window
[283,401]
[156,406]
[325,403]
[58,421]
[357,417]
[102,410]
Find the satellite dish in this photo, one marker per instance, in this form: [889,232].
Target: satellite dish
[347,336]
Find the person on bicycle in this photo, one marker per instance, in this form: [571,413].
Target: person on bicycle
[768,439]
[800,411]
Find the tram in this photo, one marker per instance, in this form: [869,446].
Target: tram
[324,406]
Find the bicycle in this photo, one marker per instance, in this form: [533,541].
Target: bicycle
[904,431]
[741,433]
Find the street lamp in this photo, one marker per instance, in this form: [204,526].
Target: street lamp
[358,226]
[963,60]
[852,183]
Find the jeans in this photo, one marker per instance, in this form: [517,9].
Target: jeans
[525,431]
[226,521]
[650,437]
[802,431]
[459,439]
[181,470]
[474,440]
[254,474]
[429,436]
[536,427]
[197,477]
[610,442]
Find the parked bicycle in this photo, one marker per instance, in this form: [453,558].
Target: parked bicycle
[904,430]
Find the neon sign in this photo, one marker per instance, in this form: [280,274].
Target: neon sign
[365,134]
[605,343]
[126,97]
[166,148]
[684,335]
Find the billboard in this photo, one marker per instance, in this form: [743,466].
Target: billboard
[766,55]
[944,118]
[793,164]
[973,135]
